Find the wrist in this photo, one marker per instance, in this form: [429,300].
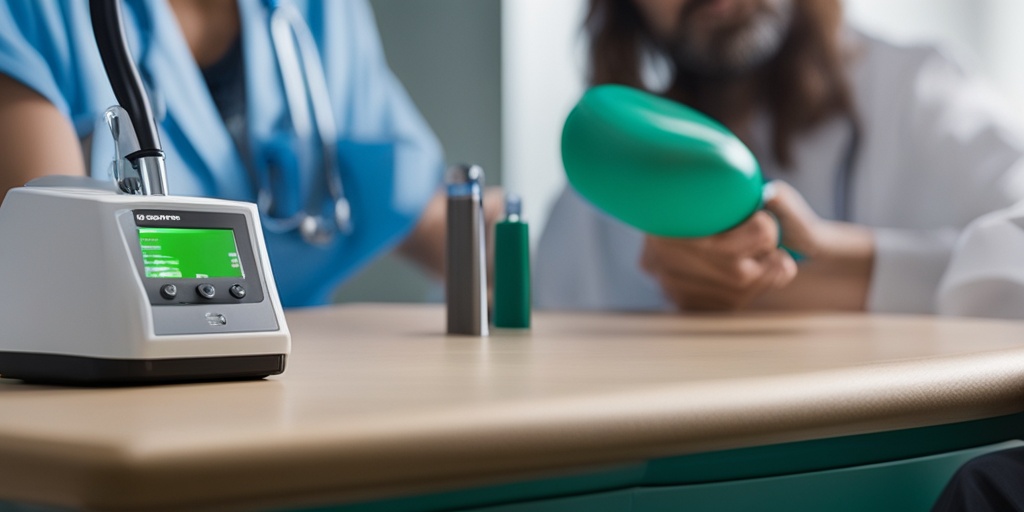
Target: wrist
[844,242]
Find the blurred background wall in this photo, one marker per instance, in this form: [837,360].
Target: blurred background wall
[496,78]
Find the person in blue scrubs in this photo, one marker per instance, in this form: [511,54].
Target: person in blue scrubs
[216,89]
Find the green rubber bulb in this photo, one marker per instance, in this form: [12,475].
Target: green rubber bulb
[658,165]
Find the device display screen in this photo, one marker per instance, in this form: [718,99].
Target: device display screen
[189,253]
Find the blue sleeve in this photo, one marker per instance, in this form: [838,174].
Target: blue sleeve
[379,108]
[32,50]
[390,162]
[42,44]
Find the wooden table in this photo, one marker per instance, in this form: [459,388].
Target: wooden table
[377,404]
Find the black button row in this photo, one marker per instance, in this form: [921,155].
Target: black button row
[205,290]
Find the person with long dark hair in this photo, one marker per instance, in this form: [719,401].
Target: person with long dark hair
[881,155]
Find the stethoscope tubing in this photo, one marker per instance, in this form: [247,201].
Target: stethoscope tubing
[308,98]
[310,113]
[843,192]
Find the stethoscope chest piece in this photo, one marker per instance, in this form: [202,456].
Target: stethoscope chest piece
[310,112]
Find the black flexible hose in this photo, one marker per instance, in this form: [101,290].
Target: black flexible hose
[108,28]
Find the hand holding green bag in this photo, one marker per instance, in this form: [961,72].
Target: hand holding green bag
[658,165]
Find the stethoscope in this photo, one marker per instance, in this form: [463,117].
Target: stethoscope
[309,108]
[843,190]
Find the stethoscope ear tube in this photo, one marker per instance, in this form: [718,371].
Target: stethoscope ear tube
[148,159]
[108,29]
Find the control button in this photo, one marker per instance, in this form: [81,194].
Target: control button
[206,290]
[168,291]
[237,291]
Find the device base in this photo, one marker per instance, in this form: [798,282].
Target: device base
[59,369]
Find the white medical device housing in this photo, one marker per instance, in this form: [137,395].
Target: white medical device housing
[98,287]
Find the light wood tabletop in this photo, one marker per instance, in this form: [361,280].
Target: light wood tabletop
[376,401]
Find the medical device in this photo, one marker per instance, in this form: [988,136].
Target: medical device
[658,165]
[112,283]
[309,108]
[667,169]
[466,254]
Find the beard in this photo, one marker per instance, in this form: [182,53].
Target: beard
[731,48]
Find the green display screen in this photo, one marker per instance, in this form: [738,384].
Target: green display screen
[189,253]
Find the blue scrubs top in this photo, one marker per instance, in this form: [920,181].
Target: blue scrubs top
[390,162]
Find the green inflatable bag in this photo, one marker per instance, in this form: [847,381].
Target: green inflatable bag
[658,165]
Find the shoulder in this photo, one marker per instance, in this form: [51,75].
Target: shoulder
[41,43]
[347,27]
[881,49]
[896,63]
[925,82]
[920,73]
[350,13]
[44,19]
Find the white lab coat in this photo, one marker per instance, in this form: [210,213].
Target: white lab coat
[986,274]
[938,149]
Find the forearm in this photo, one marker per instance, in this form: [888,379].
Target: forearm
[424,245]
[35,138]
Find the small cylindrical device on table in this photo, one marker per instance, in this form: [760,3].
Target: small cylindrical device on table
[512,268]
[465,261]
